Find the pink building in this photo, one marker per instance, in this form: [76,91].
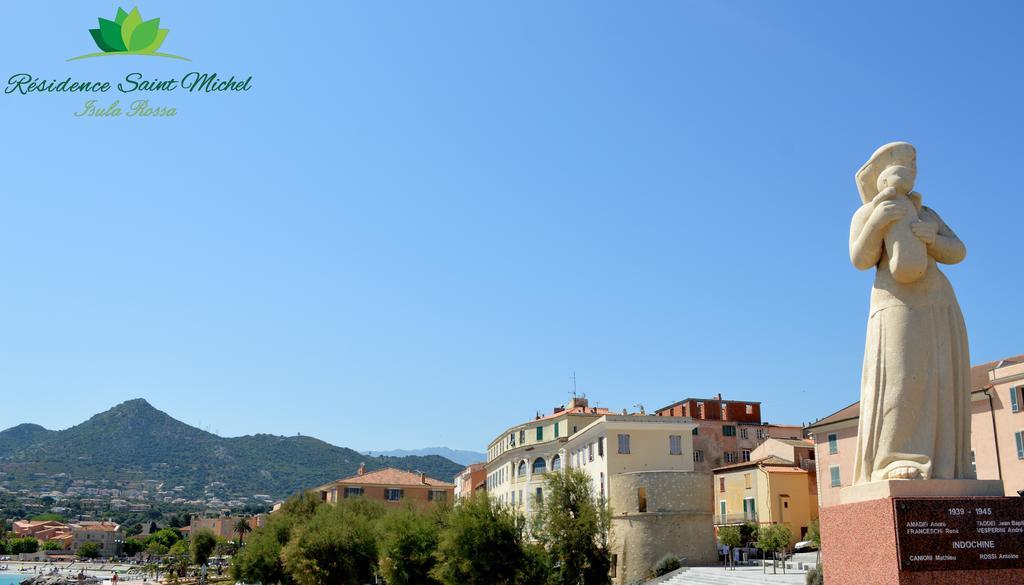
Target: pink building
[997,432]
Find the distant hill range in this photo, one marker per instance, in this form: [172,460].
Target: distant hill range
[461,457]
[135,441]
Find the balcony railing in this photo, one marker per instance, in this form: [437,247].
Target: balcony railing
[721,519]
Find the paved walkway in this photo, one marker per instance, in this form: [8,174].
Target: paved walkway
[741,576]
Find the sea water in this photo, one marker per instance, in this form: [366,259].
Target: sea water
[12,578]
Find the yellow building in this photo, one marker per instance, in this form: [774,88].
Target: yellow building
[768,490]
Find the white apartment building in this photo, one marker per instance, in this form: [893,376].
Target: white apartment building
[642,466]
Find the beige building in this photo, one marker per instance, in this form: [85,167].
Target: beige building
[777,487]
[470,480]
[391,486]
[224,526]
[642,465]
[108,535]
[997,432]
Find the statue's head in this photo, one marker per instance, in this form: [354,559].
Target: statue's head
[900,154]
[897,176]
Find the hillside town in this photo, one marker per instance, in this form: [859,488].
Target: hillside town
[673,479]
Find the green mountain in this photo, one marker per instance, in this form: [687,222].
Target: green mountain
[136,441]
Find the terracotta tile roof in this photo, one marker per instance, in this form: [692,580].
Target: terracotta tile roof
[392,476]
[979,381]
[979,373]
[97,526]
[769,461]
[850,412]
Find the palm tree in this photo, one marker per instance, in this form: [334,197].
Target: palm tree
[241,529]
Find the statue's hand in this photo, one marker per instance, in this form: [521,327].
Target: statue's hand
[886,213]
[925,231]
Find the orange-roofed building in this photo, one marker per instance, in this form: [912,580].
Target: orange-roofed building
[469,479]
[769,490]
[391,486]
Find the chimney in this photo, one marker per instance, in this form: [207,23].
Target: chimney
[423,478]
[362,469]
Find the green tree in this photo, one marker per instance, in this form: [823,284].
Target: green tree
[773,539]
[748,533]
[25,545]
[241,528]
[48,517]
[337,545]
[574,528]
[481,544]
[88,550]
[201,545]
[180,550]
[408,542]
[814,536]
[53,545]
[156,549]
[260,560]
[167,537]
[132,547]
[731,536]
[666,565]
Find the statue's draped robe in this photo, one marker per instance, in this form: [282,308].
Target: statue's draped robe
[915,403]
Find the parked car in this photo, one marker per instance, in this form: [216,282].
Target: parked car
[804,546]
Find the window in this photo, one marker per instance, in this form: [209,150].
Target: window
[437,495]
[748,480]
[722,509]
[695,431]
[522,436]
[698,456]
[351,492]
[522,469]
[833,443]
[641,499]
[834,470]
[539,466]
[615,567]
[746,455]
[1015,399]
[743,433]
[721,484]
[540,495]
[748,408]
[540,433]
[556,430]
[749,509]
[675,445]
[520,496]
[761,434]
[590,452]
[513,495]
[974,464]
[728,431]
[602,485]
[393,494]
[556,463]
[624,444]
[730,457]
[600,446]
[1019,435]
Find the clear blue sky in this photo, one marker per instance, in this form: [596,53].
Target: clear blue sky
[426,215]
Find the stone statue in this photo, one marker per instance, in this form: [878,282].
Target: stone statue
[915,405]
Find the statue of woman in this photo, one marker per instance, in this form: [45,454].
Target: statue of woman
[915,405]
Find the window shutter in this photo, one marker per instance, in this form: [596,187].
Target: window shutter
[1019,435]
[1015,399]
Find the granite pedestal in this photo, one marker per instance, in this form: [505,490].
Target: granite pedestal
[934,532]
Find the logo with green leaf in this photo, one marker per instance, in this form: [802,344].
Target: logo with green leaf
[128,34]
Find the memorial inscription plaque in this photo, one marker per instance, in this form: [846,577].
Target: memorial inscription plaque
[938,534]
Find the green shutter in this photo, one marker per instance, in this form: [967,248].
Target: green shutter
[1015,399]
[556,430]
[1019,435]
[540,433]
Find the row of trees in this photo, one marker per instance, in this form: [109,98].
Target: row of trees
[477,541]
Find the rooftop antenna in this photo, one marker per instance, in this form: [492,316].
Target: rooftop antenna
[574,383]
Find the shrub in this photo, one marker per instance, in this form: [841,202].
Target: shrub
[815,576]
[667,564]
